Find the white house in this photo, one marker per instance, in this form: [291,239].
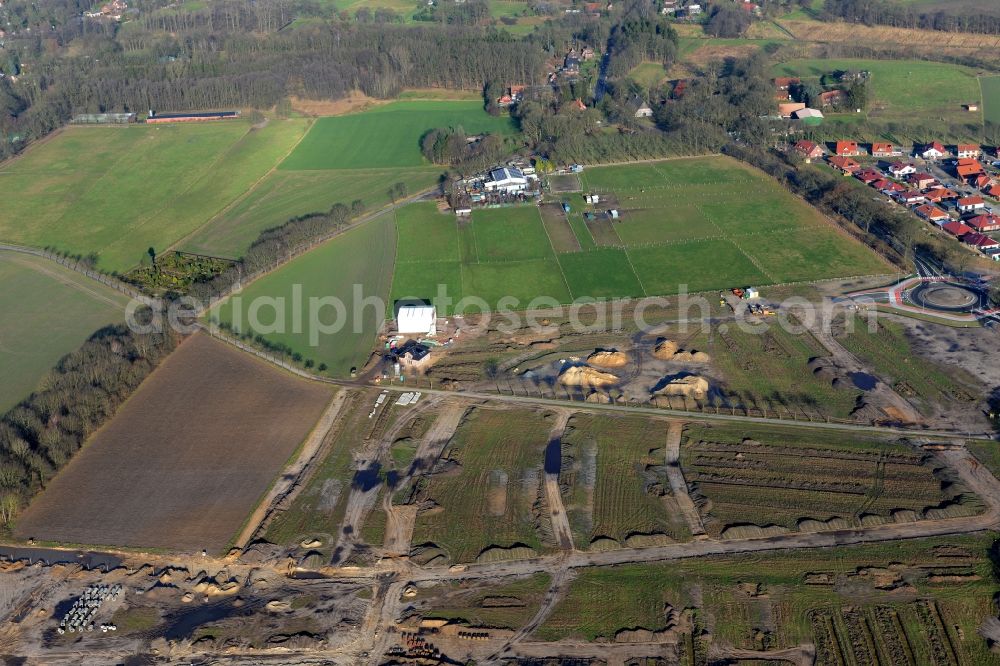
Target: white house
[506,179]
[899,169]
[644,112]
[971,204]
[416,320]
[934,151]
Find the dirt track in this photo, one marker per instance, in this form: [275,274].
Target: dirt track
[678,485]
[557,512]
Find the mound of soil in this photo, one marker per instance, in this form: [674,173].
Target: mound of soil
[608,358]
[582,375]
[691,386]
[598,397]
[665,350]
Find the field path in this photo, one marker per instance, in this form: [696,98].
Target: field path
[400,518]
[283,490]
[678,485]
[553,462]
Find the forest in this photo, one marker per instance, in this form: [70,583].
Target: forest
[901,15]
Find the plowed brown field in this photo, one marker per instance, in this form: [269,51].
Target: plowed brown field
[186,459]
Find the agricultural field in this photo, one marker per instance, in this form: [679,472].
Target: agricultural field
[386,136]
[501,606]
[115,191]
[904,89]
[913,602]
[614,482]
[661,244]
[922,381]
[991,98]
[287,307]
[479,501]
[217,425]
[282,195]
[751,479]
[49,311]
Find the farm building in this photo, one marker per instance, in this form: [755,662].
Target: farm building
[506,179]
[809,116]
[191,117]
[787,109]
[103,119]
[416,320]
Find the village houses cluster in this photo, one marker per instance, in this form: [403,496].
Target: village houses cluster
[949,186]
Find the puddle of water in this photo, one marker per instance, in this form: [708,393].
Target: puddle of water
[863,380]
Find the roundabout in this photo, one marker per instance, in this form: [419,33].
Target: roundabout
[941,297]
[946,297]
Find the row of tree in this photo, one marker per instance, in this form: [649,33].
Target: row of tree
[38,436]
[960,18]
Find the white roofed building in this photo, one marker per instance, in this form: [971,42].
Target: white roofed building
[506,179]
[416,320]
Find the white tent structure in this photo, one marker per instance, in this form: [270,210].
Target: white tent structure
[416,320]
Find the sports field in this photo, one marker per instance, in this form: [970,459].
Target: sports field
[48,311]
[116,191]
[216,425]
[387,136]
[300,299]
[696,224]
[904,89]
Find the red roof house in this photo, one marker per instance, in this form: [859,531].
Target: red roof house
[847,149]
[984,223]
[980,241]
[885,150]
[969,204]
[900,169]
[931,213]
[957,229]
[867,176]
[845,164]
[967,150]
[937,194]
[933,151]
[921,180]
[808,149]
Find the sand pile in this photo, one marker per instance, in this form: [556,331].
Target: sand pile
[668,350]
[608,358]
[665,350]
[691,386]
[582,375]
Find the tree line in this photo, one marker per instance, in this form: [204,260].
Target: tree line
[899,15]
[83,391]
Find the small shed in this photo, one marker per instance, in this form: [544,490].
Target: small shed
[592,198]
[808,116]
[416,320]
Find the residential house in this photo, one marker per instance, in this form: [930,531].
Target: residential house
[910,197]
[932,214]
[984,223]
[957,229]
[939,194]
[833,98]
[934,151]
[967,171]
[788,108]
[980,241]
[669,7]
[899,169]
[845,164]
[888,187]
[880,149]
[644,112]
[993,191]
[571,63]
[921,180]
[783,86]
[868,176]
[981,181]
[970,204]
[847,149]
[967,150]
[808,149]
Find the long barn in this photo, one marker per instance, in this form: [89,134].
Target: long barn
[191,117]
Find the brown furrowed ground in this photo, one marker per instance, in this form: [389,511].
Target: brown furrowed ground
[185,460]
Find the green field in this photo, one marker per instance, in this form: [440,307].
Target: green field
[361,257]
[820,596]
[486,499]
[283,195]
[114,192]
[648,74]
[612,477]
[48,311]
[904,89]
[991,98]
[386,136]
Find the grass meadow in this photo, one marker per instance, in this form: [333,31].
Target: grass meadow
[387,136]
[991,98]
[362,256]
[648,74]
[903,89]
[116,191]
[48,311]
